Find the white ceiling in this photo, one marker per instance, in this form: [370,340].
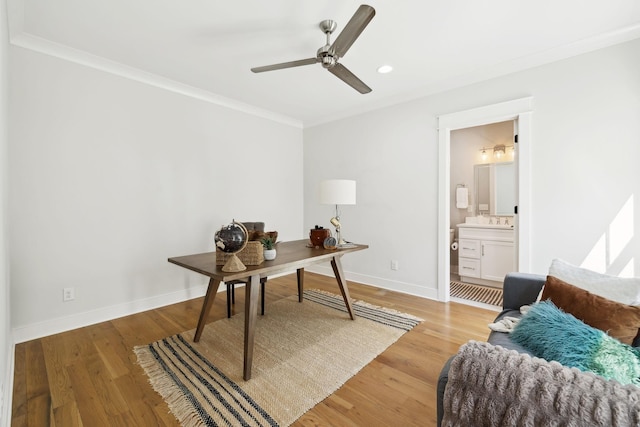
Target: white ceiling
[206,47]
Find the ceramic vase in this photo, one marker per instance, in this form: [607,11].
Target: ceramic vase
[269,254]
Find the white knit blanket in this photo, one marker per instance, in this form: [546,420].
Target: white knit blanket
[491,386]
[507,323]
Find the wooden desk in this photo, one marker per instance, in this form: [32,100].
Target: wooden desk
[291,256]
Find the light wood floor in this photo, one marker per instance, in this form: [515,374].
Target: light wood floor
[89,376]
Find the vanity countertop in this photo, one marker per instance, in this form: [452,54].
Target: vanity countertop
[496,226]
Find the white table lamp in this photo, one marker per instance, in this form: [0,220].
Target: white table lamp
[338,192]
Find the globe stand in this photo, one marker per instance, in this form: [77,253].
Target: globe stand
[233,265]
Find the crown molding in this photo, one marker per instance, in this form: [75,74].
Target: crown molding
[18,37]
[47,47]
[515,65]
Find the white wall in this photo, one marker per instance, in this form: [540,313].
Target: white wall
[391,155]
[109,177]
[6,346]
[585,175]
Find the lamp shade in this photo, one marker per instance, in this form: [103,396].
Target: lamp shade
[338,192]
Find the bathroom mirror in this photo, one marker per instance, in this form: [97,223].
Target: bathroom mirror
[495,188]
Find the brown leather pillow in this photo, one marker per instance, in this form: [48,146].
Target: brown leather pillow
[620,321]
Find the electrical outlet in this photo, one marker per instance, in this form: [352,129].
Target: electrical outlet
[394,264]
[68,294]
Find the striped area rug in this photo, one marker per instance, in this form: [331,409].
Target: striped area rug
[303,353]
[478,293]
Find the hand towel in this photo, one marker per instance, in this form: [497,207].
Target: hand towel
[462,197]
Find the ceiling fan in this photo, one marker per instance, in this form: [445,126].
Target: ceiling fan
[329,54]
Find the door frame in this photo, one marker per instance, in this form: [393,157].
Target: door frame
[519,110]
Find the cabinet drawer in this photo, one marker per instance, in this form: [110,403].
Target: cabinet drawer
[469,267]
[469,248]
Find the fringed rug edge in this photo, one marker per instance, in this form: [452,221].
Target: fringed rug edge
[178,403]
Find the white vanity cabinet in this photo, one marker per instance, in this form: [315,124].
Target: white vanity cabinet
[485,253]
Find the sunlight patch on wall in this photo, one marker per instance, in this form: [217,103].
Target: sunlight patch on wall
[610,247]
[597,258]
[628,270]
[621,230]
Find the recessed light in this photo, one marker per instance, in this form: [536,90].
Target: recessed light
[384,69]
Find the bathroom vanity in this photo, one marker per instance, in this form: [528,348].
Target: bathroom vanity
[485,253]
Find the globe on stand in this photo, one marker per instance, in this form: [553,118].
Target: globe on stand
[232,239]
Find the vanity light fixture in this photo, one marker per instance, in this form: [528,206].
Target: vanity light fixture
[498,151]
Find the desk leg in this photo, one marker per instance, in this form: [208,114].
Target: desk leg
[206,306]
[342,283]
[300,274]
[250,317]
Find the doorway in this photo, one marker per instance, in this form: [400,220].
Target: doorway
[483,196]
[518,111]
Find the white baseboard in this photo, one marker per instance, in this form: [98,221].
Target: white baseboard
[79,320]
[6,389]
[392,285]
[74,321]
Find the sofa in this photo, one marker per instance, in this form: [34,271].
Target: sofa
[537,377]
[518,289]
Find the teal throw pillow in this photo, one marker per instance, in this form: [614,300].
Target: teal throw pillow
[551,334]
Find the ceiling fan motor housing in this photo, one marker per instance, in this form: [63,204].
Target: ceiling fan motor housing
[327,57]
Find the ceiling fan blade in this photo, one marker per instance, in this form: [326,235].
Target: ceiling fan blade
[285,65]
[349,78]
[353,29]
